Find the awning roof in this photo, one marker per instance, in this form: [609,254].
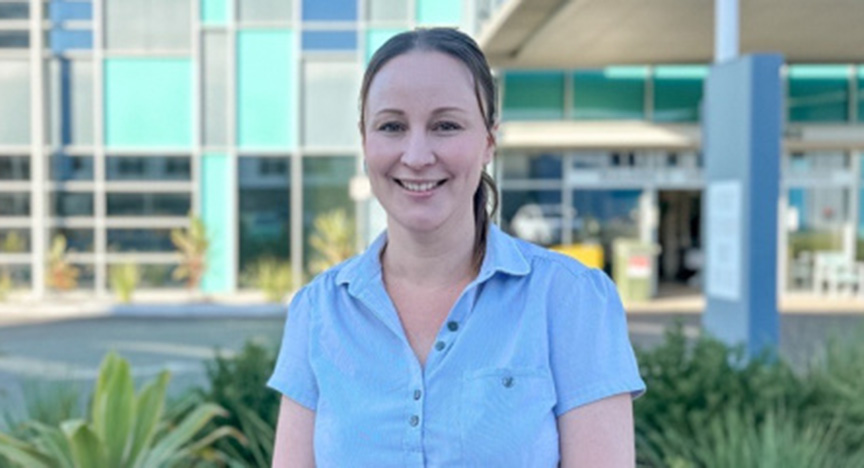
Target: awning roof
[595,33]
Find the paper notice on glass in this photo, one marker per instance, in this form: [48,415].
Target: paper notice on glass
[723,268]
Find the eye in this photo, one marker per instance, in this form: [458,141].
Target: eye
[391,127]
[446,126]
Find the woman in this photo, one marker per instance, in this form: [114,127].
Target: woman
[449,343]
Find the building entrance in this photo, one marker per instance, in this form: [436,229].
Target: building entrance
[679,235]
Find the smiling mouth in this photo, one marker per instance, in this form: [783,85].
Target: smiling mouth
[420,186]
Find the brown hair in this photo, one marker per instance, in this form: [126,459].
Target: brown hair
[461,47]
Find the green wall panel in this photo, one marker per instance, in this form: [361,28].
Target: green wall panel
[214,11]
[861,96]
[148,102]
[266,102]
[533,96]
[678,92]
[818,93]
[375,38]
[611,93]
[439,11]
[215,191]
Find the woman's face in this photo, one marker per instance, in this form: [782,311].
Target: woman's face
[425,141]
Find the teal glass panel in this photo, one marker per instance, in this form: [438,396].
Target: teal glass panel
[678,92]
[611,93]
[533,96]
[216,213]
[375,38]
[266,105]
[148,102]
[325,193]
[860,94]
[214,11]
[439,12]
[818,93]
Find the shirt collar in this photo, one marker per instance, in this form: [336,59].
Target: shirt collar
[503,254]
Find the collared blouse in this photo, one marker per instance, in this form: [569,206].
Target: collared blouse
[535,335]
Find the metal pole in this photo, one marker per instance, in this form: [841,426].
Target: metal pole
[726,30]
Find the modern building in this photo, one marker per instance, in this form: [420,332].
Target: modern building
[120,117]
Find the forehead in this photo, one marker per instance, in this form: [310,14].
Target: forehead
[421,74]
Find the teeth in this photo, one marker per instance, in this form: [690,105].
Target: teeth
[421,187]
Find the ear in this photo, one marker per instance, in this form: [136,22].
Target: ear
[491,144]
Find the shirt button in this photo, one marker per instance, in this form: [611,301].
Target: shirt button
[415,420]
[507,381]
[440,345]
[452,326]
[417,394]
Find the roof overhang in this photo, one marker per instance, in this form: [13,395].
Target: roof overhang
[635,135]
[596,33]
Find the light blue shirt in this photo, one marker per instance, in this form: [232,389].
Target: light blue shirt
[535,335]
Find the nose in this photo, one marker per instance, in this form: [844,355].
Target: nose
[418,153]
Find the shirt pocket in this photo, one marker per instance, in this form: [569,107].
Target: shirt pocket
[506,418]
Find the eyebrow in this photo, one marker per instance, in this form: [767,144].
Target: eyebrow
[440,110]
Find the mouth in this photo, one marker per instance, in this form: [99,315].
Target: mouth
[420,186]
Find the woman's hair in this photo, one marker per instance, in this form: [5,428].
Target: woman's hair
[461,47]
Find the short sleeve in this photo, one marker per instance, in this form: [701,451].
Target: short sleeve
[293,375]
[590,352]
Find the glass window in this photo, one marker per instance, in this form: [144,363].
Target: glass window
[149,204]
[329,40]
[325,191]
[818,93]
[601,216]
[264,210]
[65,11]
[14,167]
[266,10]
[14,203]
[140,240]
[148,102]
[861,94]
[148,24]
[15,96]
[678,93]
[14,39]
[215,85]
[69,39]
[14,240]
[533,215]
[86,275]
[815,163]
[72,101]
[65,167]
[442,12]
[265,89]
[533,96]
[375,38]
[611,93]
[158,276]
[148,168]
[71,204]
[387,10]
[14,11]
[77,240]
[21,275]
[331,10]
[517,166]
[815,221]
[330,104]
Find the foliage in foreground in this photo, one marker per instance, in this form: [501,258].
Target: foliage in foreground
[708,406]
[124,279]
[238,384]
[124,429]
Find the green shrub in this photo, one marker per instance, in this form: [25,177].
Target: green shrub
[124,429]
[274,277]
[238,384]
[124,279]
[46,403]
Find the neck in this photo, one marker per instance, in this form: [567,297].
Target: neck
[430,259]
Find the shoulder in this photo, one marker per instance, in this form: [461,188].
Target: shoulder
[548,262]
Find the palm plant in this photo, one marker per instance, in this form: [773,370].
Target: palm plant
[124,278]
[192,243]
[124,430]
[333,240]
[61,274]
